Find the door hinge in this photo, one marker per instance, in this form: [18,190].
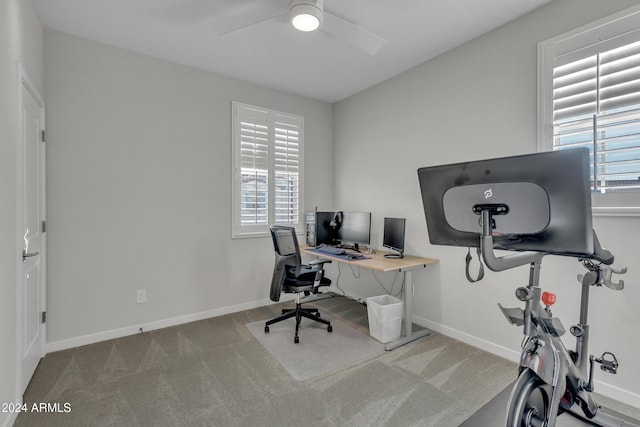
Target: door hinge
[43,136]
[44,317]
[44,226]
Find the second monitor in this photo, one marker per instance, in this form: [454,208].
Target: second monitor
[353,228]
[393,236]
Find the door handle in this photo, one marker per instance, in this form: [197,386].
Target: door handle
[26,254]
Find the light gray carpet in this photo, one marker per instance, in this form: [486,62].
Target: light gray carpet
[318,351]
[214,372]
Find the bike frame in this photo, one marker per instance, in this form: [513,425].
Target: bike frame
[543,352]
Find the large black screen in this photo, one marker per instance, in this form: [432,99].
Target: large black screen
[546,196]
[355,227]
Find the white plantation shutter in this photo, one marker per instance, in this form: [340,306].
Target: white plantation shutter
[596,104]
[254,167]
[620,77]
[287,170]
[575,89]
[590,97]
[267,149]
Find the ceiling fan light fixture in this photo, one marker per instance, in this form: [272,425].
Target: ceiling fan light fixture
[305,16]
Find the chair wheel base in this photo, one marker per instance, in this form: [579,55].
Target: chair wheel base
[329,328]
[266,329]
[296,340]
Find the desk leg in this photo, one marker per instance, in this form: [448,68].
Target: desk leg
[408,335]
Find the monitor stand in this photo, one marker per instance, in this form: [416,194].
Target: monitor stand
[394,255]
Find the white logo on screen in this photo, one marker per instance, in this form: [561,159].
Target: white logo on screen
[488,193]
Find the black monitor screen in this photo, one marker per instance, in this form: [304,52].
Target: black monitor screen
[355,227]
[393,234]
[323,228]
[545,196]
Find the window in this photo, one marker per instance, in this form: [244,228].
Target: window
[268,169]
[589,96]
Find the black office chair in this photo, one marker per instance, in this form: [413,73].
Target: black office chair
[291,276]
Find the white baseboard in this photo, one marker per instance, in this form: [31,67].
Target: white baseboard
[150,326]
[485,345]
[617,393]
[613,392]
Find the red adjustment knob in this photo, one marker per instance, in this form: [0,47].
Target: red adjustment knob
[548,298]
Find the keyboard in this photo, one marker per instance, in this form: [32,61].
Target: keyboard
[331,250]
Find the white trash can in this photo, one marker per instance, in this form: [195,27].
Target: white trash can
[385,317]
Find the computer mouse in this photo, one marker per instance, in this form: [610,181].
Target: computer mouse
[353,256]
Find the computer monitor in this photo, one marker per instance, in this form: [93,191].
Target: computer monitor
[354,228]
[393,236]
[543,199]
[318,228]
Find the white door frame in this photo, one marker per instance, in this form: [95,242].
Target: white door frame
[25,82]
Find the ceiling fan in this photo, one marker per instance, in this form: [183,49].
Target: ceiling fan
[309,15]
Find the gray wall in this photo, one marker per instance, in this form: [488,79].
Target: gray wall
[20,41]
[139,174]
[478,101]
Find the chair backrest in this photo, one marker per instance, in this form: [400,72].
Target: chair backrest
[285,245]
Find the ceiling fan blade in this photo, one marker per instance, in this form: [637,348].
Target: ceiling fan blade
[351,33]
[242,27]
[188,11]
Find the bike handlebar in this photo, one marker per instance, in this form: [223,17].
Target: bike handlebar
[514,260]
[600,253]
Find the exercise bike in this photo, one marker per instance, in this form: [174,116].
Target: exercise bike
[552,380]
[531,205]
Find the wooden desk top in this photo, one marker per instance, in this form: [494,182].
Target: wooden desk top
[376,261]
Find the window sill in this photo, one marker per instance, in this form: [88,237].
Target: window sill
[261,233]
[250,235]
[615,211]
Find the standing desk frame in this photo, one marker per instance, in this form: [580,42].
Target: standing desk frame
[377,262]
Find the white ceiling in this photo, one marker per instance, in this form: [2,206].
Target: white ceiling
[272,53]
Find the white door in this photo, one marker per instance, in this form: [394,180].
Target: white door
[31,210]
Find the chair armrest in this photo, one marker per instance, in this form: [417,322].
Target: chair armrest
[319,261]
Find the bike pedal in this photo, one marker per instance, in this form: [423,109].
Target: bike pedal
[608,362]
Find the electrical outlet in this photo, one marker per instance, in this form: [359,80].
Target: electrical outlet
[141,296]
